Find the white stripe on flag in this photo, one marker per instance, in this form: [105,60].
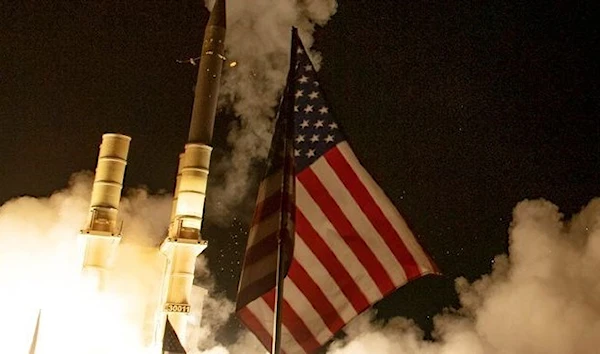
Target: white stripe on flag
[269,186]
[388,209]
[263,313]
[305,311]
[334,241]
[304,256]
[359,220]
[256,271]
[265,228]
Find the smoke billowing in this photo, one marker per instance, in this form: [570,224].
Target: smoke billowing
[40,267]
[258,40]
[544,297]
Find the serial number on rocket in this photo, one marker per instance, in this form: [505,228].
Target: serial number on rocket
[177,308]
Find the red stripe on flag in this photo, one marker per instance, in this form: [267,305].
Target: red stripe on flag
[315,296]
[269,206]
[373,212]
[269,202]
[334,267]
[340,222]
[294,323]
[261,249]
[250,321]
[264,281]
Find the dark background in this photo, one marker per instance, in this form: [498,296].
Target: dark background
[458,109]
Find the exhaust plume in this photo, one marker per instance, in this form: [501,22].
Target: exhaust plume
[258,42]
[40,266]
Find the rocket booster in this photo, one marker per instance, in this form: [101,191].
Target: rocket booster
[102,234]
[108,182]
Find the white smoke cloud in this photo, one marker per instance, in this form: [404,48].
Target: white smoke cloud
[543,297]
[35,236]
[214,310]
[40,267]
[145,216]
[258,39]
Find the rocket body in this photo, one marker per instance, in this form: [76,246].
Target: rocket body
[209,77]
[184,242]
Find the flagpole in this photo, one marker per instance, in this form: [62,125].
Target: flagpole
[284,227]
[276,345]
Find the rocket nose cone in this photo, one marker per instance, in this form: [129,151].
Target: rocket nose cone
[217,15]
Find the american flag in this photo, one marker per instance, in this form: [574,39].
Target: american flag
[350,246]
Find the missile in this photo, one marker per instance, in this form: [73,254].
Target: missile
[184,243]
[103,233]
[209,77]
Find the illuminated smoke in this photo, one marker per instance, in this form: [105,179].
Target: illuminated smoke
[544,297]
[258,40]
[38,248]
[40,265]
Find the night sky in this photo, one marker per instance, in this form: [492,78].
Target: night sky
[458,109]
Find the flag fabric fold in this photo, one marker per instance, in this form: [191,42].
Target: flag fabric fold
[345,245]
